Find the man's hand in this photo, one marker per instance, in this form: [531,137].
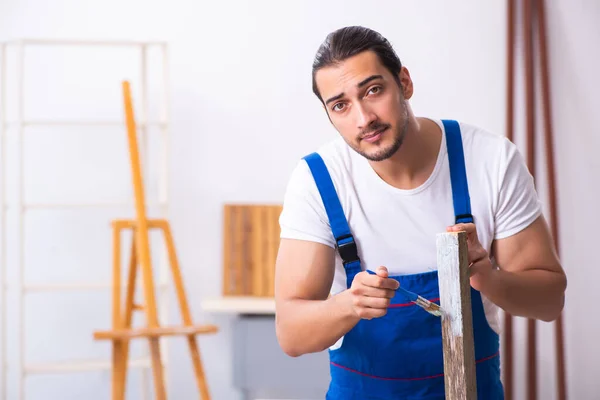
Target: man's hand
[480,265]
[530,281]
[369,296]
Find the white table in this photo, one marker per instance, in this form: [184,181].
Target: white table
[261,369]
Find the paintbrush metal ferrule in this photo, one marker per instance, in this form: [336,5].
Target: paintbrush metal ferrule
[422,302]
[428,306]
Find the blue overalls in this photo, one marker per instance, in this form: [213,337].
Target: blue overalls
[399,356]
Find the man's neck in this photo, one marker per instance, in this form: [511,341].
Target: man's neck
[414,162]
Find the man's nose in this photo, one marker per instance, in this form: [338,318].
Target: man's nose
[365,117]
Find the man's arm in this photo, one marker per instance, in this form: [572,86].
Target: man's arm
[530,282]
[308,320]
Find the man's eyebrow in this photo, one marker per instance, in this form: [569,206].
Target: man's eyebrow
[334,98]
[360,84]
[369,79]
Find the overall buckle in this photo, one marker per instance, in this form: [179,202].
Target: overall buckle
[348,251]
[460,217]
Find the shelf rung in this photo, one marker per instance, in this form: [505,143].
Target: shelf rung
[79,366]
[79,123]
[155,332]
[82,42]
[57,287]
[62,206]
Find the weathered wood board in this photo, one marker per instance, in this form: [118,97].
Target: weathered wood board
[457,320]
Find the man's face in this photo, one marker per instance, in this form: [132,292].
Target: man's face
[365,104]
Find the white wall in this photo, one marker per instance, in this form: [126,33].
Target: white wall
[242,115]
[575,58]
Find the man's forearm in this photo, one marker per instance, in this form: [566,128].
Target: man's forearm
[534,293]
[309,326]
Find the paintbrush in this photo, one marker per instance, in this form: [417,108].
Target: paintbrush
[425,304]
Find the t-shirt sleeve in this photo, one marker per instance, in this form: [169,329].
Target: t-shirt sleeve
[518,201]
[303,216]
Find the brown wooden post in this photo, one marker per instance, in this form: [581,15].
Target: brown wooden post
[457,320]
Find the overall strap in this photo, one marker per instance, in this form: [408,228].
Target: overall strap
[458,173]
[345,243]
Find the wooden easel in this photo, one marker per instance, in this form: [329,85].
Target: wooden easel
[122,331]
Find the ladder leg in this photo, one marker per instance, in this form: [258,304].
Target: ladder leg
[157,369]
[198,369]
[129,301]
[142,240]
[117,345]
[185,311]
[119,370]
[143,254]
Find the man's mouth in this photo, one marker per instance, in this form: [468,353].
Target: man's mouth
[374,136]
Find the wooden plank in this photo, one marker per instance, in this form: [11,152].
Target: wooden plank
[226,249]
[250,244]
[237,251]
[268,249]
[264,248]
[274,232]
[257,262]
[457,322]
[246,253]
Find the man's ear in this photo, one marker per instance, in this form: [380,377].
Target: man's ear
[406,83]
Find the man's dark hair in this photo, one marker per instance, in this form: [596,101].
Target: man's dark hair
[349,41]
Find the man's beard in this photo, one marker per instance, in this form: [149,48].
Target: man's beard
[387,152]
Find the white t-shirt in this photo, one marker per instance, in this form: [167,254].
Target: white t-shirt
[397,228]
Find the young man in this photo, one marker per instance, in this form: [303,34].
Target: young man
[360,219]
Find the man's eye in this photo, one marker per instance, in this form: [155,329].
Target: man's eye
[338,107]
[375,90]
